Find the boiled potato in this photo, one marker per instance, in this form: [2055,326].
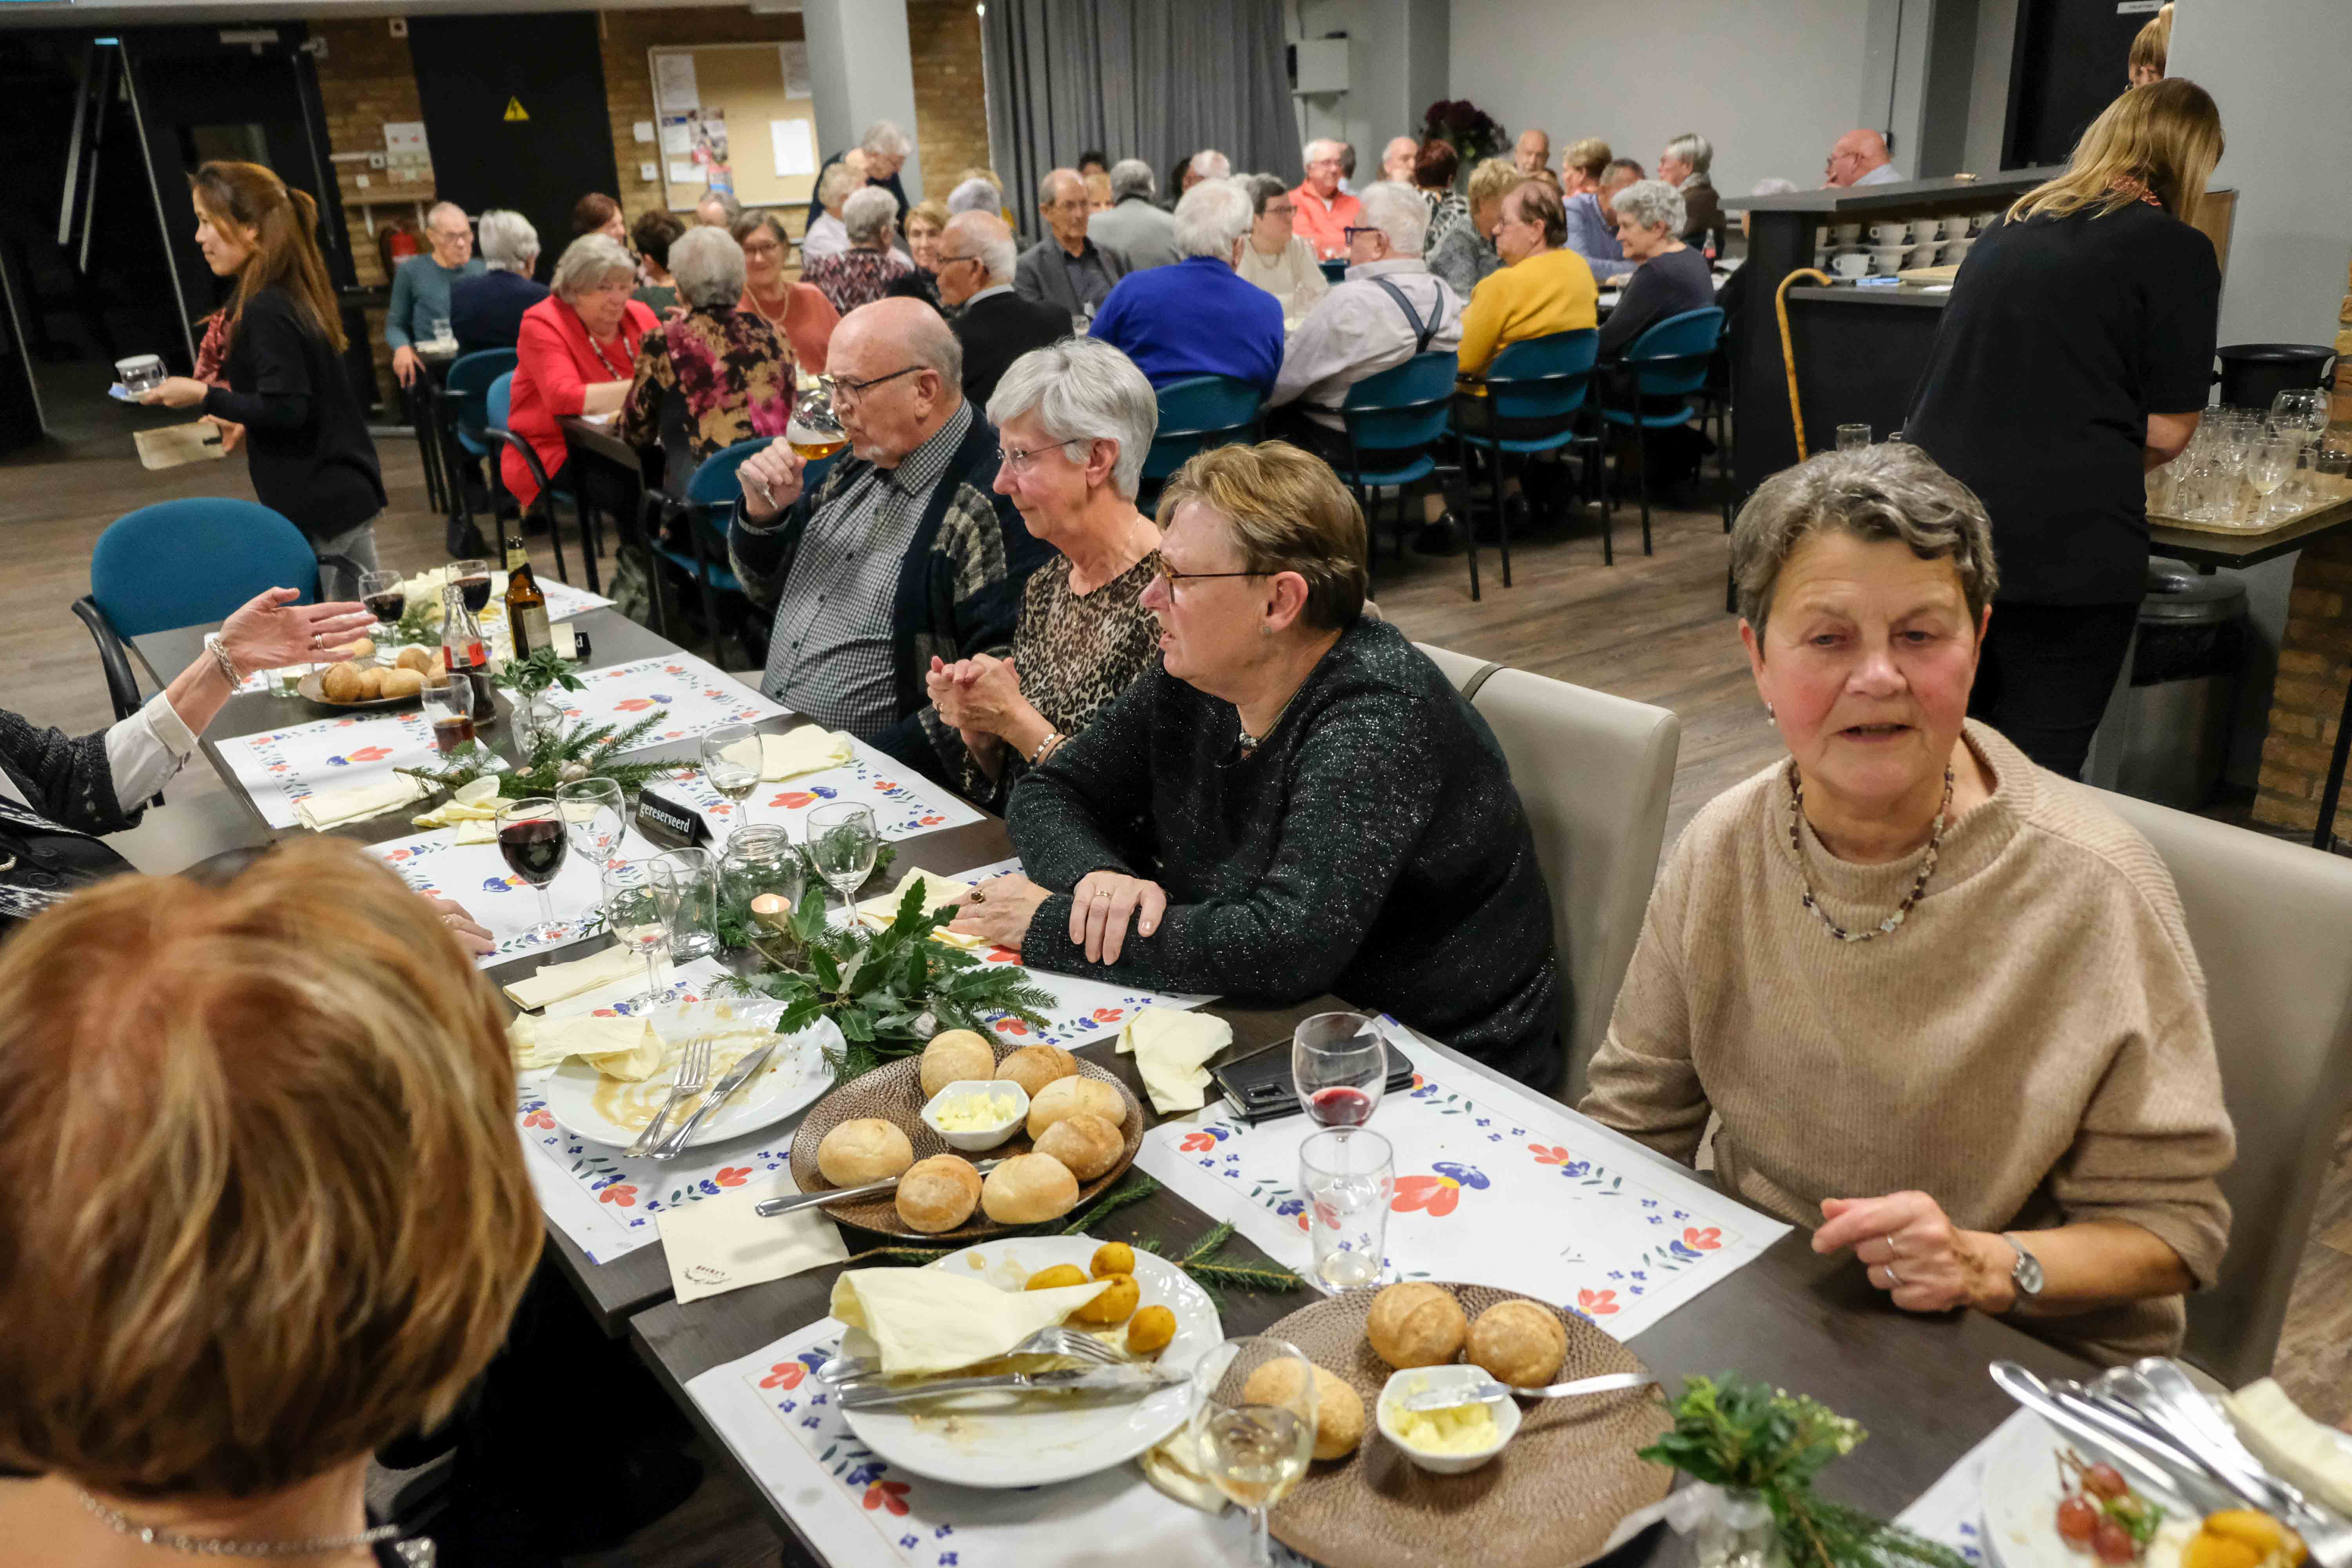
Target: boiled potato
[1055,1277]
[1112,1257]
[1149,1330]
[1115,1305]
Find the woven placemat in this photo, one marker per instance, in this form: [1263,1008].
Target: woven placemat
[1548,1501]
[893,1093]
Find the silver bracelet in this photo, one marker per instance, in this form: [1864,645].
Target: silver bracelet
[220,658]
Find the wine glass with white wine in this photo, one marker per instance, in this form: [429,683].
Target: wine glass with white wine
[1253,1424]
[730,764]
[633,912]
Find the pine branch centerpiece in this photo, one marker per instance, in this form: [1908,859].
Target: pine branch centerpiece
[1763,1445]
[554,755]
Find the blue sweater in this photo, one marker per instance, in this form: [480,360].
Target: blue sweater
[1196,318]
[420,294]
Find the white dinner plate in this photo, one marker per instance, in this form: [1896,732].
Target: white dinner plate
[607,1111]
[989,1440]
[2022,1493]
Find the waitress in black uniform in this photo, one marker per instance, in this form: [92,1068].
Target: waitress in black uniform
[288,397]
[2076,354]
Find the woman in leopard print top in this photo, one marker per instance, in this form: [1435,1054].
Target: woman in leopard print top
[1075,421]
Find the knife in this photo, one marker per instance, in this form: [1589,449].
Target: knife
[741,1073]
[2148,1467]
[769,1208]
[1080,1379]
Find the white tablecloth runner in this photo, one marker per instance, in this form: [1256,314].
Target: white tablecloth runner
[693,695]
[431,861]
[1494,1187]
[905,802]
[279,768]
[1952,1511]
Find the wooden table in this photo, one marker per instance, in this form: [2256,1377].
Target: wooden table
[2206,549]
[593,446]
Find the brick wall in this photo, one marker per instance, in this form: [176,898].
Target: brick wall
[629,83]
[364,80]
[951,99]
[2314,657]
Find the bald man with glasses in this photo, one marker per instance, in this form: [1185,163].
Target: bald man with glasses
[420,285]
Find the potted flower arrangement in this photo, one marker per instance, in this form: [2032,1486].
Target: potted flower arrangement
[1471,131]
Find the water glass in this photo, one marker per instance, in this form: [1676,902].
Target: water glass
[591,810]
[730,756]
[2332,471]
[1254,1410]
[634,914]
[1853,437]
[687,882]
[1348,1178]
[844,844]
[1339,1065]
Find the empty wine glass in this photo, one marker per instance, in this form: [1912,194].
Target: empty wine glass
[591,810]
[2269,465]
[843,843]
[1253,1424]
[730,764]
[633,913]
[1339,1065]
[532,840]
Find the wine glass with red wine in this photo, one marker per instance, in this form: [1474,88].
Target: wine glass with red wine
[381,593]
[532,840]
[1340,1065]
[472,579]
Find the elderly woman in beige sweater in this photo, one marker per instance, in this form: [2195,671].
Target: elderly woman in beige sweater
[1942,1001]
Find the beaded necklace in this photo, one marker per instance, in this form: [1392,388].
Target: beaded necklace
[1903,910]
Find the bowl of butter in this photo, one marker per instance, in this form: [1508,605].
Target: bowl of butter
[977,1113]
[1453,1438]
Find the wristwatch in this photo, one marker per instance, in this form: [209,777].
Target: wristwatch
[2026,1273]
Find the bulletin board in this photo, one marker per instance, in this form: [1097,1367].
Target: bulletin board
[735,115]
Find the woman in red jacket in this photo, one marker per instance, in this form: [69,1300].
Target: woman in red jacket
[577,353]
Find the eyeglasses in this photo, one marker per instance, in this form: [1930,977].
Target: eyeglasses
[1352,230]
[770,248]
[842,388]
[1020,462]
[1172,579]
[1281,209]
[946,260]
[453,235]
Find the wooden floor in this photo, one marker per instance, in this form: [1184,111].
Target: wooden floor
[1653,629]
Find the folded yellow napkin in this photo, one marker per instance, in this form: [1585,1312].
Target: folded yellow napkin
[938,893]
[357,803]
[927,1320]
[810,749]
[484,831]
[1175,1467]
[544,1042]
[721,1244]
[1171,1047]
[555,982]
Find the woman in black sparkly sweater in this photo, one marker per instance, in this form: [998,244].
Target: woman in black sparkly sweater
[1295,801]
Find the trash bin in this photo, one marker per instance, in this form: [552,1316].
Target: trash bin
[2183,698]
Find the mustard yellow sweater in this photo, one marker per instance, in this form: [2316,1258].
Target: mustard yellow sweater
[1553,292]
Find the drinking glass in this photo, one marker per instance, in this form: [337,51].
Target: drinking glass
[449,708]
[1853,437]
[843,843]
[591,810]
[2332,470]
[2269,465]
[472,581]
[1253,1424]
[442,333]
[687,881]
[532,840]
[1339,1065]
[2301,410]
[814,431]
[633,913]
[380,592]
[1348,1178]
[730,764]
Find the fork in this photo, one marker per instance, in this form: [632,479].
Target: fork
[845,1371]
[692,1078]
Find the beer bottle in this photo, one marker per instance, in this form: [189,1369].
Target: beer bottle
[526,605]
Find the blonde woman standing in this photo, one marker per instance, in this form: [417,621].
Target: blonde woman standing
[2075,355]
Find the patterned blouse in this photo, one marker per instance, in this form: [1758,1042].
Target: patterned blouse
[715,376]
[1075,654]
[854,277]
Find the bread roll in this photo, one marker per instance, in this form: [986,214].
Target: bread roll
[1518,1342]
[865,1150]
[939,1193]
[341,683]
[1035,1067]
[371,683]
[1087,1144]
[1074,1095]
[1416,1324]
[956,1057]
[1339,1410]
[1028,1188]
[415,658]
[363,648]
[401,681]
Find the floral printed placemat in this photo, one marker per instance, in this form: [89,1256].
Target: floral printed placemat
[1493,1187]
[279,768]
[692,695]
[905,802]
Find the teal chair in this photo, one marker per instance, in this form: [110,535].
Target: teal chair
[1196,414]
[184,563]
[709,511]
[462,408]
[1536,393]
[1394,421]
[497,403]
[1657,374]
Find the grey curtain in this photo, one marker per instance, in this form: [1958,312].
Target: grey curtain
[1138,79]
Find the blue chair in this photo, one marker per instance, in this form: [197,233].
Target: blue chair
[497,405]
[1196,414]
[709,508]
[462,411]
[184,563]
[1394,421]
[1536,391]
[1334,271]
[1669,361]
